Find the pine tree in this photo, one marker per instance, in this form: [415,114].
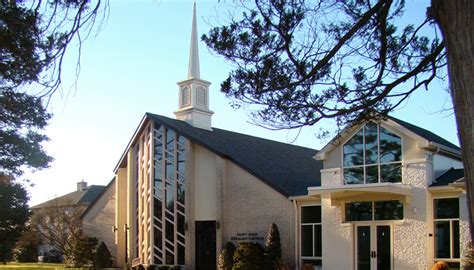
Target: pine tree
[102,258]
[273,247]
[14,214]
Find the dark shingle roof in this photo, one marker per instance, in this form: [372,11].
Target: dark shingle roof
[85,196]
[97,197]
[287,168]
[430,136]
[450,176]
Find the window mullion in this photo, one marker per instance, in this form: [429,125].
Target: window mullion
[373,210]
[312,241]
[378,154]
[363,155]
[451,239]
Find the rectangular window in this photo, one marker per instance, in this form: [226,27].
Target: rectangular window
[446,229]
[311,244]
[359,211]
[376,210]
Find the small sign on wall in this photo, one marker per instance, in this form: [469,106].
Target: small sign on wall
[247,237]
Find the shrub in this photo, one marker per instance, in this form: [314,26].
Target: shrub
[26,249]
[102,257]
[226,257]
[248,256]
[273,248]
[83,252]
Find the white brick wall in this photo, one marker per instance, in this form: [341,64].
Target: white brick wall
[100,218]
[251,206]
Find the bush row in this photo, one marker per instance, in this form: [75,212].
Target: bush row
[251,255]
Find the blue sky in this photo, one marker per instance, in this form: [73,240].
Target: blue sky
[132,66]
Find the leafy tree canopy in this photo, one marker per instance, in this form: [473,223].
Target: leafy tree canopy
[26,249]
[21,118]
[34,38]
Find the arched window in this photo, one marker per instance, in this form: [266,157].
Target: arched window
[372,155]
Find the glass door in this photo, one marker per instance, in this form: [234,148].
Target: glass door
[373,247]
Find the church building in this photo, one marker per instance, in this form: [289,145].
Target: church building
[384,195]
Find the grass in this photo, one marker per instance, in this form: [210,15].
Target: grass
[31,266]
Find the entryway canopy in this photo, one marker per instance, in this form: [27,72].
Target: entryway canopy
[357,192]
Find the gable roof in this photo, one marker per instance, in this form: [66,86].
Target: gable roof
[287,168]
[450,176]
[430,136]
[93,202]
[83,196]
[429,139]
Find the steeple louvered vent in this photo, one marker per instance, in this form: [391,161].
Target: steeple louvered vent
[186,97]
[201,99]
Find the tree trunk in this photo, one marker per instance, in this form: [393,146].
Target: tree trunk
[455,18]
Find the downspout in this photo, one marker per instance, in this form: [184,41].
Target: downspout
[295,208]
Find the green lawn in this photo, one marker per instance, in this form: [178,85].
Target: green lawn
[31,266]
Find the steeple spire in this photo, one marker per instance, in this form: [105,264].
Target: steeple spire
[193,70]
[194,92]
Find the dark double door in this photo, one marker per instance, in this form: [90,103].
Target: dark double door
[374,247]
[206,245]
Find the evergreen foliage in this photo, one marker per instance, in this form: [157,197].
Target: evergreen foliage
[299,62]
[273,247]
[226,257]
[84,251]
[22,117]
[14,214]
[35,37]
[248,256]
[102,258]
[34,40]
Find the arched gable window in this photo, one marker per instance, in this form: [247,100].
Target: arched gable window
[372,155]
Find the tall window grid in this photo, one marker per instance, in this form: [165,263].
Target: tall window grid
[372,155]
[311,243]
[142,181]
[446,226]
[168,197]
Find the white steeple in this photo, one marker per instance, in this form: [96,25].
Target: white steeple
[194,92]
[193,70]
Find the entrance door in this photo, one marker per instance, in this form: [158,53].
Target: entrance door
[373,248]
[205,245]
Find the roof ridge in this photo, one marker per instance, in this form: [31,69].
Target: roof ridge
[418,129]
[243,134]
